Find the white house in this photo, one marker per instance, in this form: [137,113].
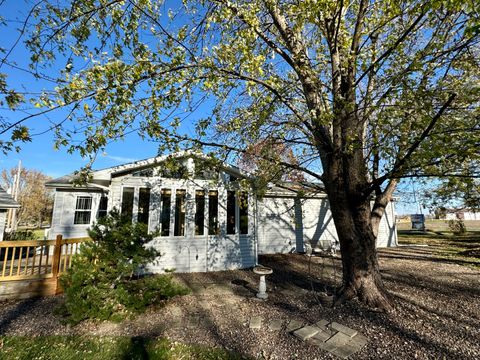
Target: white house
[6,203]
[457,214]
[206,221]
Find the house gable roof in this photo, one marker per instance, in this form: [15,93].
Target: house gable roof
[6,200]
[101,178]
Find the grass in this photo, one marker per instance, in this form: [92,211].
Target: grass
[104,348]
[440,225]
[38,233]
[464,247]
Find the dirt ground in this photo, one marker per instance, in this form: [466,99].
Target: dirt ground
[437,312]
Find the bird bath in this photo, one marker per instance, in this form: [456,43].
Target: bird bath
[262,286]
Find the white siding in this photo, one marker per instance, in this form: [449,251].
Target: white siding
[187,253]
[286,224]
[64,212]
[191,253]
[276,226]
[467,215]
[319,229]
[3,218]
[387,232]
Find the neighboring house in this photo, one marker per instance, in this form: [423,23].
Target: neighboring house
[454,214]
[6,203]
[205,222]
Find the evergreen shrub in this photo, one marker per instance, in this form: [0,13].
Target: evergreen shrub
[105,280]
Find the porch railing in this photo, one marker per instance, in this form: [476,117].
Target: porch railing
[37,259]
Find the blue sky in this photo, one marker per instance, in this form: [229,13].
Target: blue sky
[40,153]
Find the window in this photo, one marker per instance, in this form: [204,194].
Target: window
[166,201]
[243,207]
[199,212]
[127,202]
[213,213]
[102,207]
[231,218]
[179,229]
[143,205]
[83,210]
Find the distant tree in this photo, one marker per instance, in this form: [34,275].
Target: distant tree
[35,200]
[457,193]
[271,160]
[460,192]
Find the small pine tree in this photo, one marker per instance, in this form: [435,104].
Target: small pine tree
[457,226]
[105,282]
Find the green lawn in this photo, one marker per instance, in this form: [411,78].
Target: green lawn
[465,247]
[440,225]
[38,233]
[103,348]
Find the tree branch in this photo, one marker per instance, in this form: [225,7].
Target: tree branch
[400,162]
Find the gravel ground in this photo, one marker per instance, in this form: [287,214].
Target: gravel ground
[437,311]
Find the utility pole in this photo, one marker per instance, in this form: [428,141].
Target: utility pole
[15,189]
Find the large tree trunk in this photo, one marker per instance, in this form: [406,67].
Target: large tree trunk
[346,183]
[361,275]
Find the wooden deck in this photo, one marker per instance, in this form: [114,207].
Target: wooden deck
[32,267]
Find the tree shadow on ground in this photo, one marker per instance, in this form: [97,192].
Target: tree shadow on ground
[433,258]
[137,349]
[22,308]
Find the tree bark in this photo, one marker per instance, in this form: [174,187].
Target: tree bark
[361,274]
[346,183]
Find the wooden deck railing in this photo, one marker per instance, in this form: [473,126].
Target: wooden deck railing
[36,259]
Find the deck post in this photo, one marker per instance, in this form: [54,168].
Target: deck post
[57,252]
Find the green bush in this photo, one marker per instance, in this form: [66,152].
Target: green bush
[457,226]
[19,235]
[105,280]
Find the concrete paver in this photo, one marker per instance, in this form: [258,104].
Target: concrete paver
[343,329]
[306,332]
[294,325]
[256,322]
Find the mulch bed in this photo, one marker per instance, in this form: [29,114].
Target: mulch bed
[437,312]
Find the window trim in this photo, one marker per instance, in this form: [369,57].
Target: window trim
[240,196]
[149,191]
[208,218]
[161,208]
[235,213]
[102,196]
[195,215]
[133,215]
[89,211]
[174,213]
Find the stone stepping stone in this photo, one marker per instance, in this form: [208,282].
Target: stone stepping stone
[335,338]
[275,324]
[339,339]
[351,347]
[359,340]
[255,322]
[322,344]
[343,329]
[322,335]
[193,322]
[306,332]
[344,351]
[294,325]
[323,325]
